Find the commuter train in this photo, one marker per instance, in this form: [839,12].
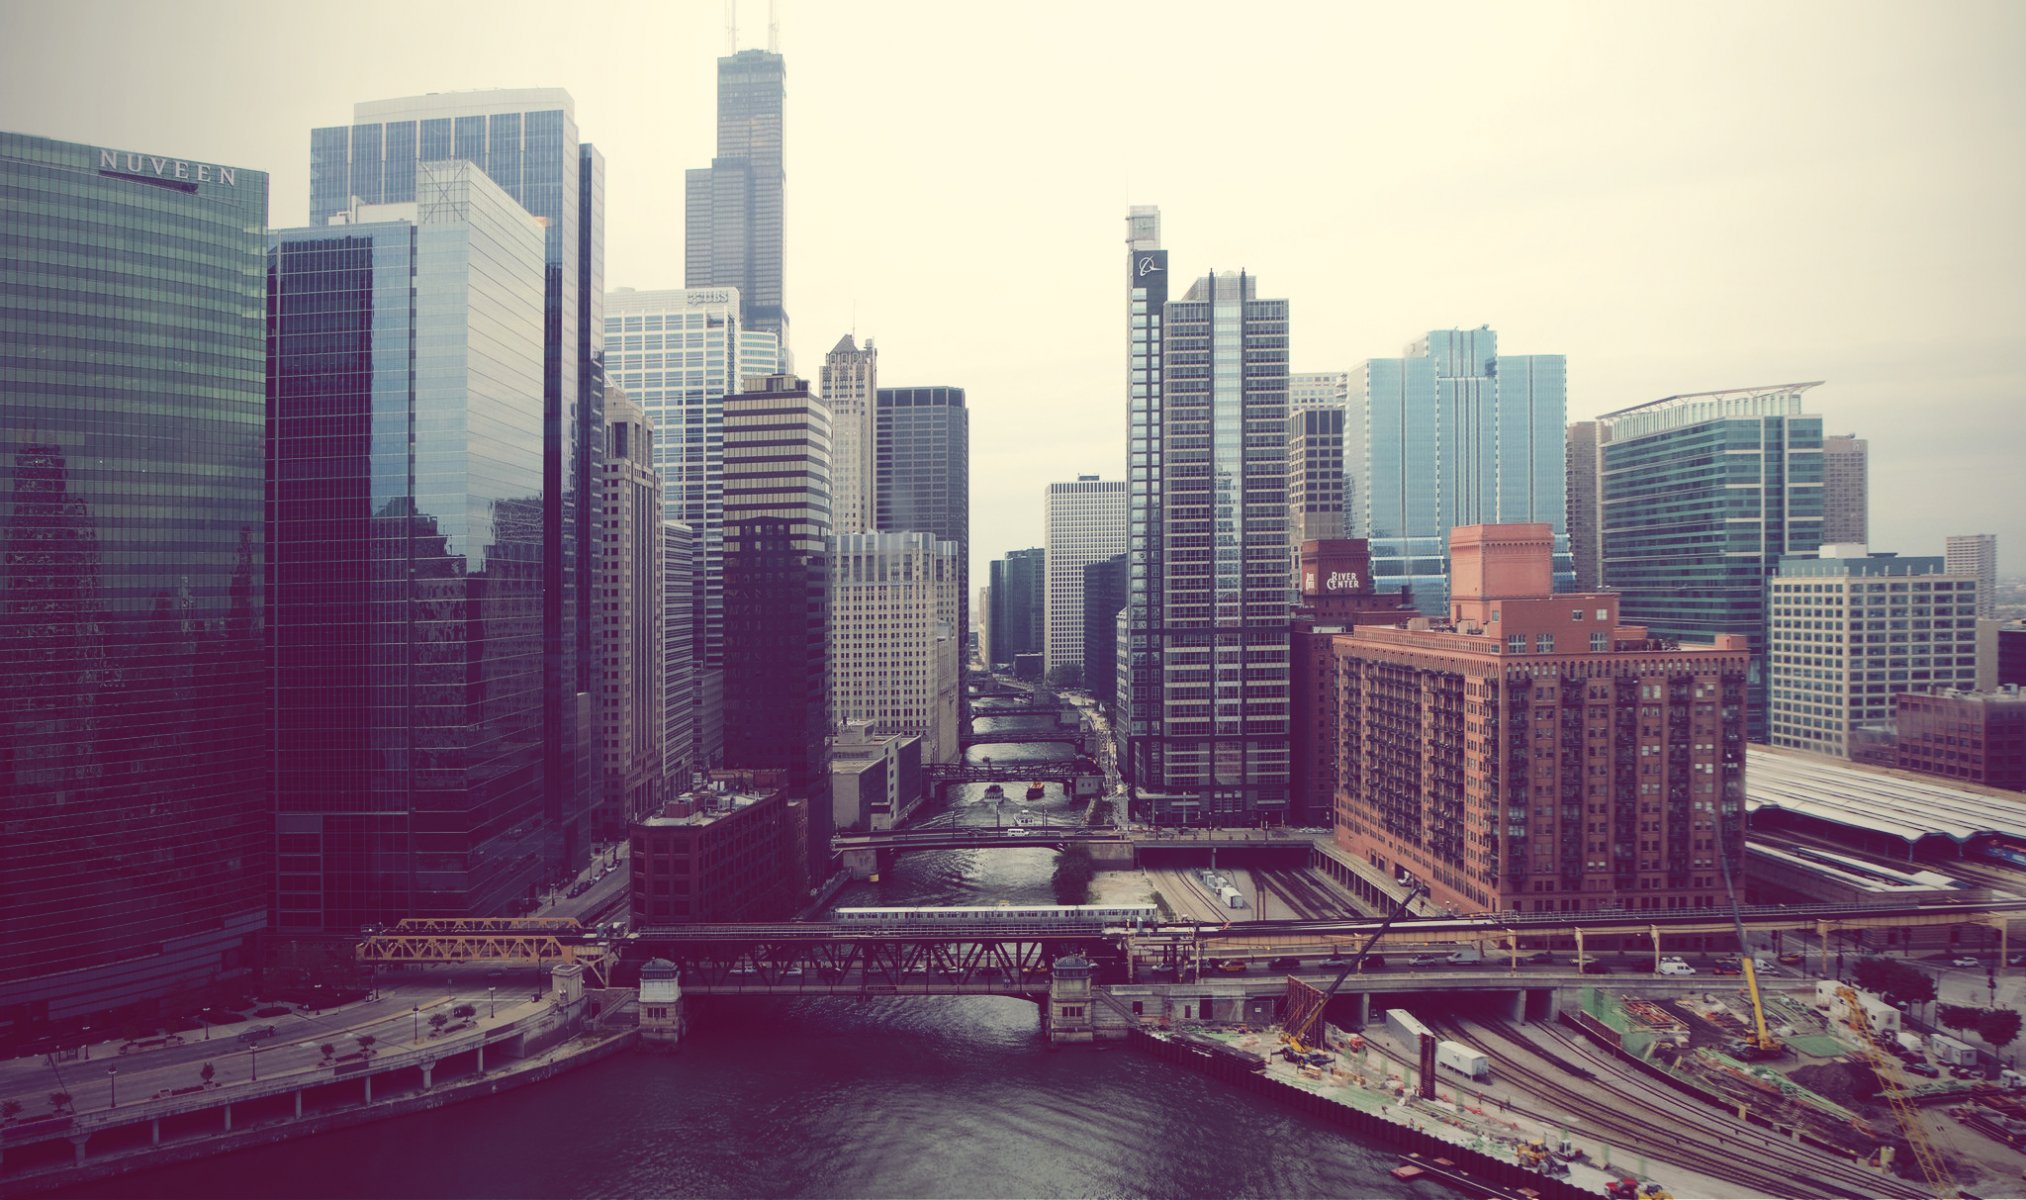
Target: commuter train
[1031,914]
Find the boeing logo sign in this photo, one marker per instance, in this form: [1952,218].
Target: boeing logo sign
[1147,266]
[1144,269]
[146,165]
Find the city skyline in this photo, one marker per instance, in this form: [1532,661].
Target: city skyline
[1772,228]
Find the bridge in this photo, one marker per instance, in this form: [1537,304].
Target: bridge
[1067,736]
[1022,710]
[1060,770]
[982,837]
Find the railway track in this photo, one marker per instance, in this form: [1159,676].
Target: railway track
[1309,900]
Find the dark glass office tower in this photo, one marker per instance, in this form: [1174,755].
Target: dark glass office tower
[526,141]
[733,218]
[1104,594]
[922,475]
[406,553]
[1019,591]
[136,845]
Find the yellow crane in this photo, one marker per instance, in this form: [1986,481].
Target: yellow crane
[1759,1043]
[1896,1095]
[1304,1018]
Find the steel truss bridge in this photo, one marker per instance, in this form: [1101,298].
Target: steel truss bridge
[982,837]
[1063,733]
[1060,770]
[1020,710]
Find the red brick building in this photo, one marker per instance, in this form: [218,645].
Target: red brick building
[1975,736]
[1336,596]
[1532,753]
[729,852]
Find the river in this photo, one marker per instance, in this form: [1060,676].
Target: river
[928,1097]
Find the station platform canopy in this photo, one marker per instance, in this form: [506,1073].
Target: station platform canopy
[1878,801]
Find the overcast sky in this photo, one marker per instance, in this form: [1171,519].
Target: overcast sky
[1678,198]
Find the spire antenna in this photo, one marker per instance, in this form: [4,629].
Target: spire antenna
[773,28]
[731,26]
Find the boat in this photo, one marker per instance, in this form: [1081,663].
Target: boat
[994,791]
[1035,791]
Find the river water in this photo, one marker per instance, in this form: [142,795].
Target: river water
[927,1097]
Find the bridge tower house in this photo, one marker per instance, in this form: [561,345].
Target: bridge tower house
[1070,999]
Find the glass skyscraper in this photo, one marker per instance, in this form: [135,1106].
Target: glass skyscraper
[136,842]
[733,218]
[1138,700]
[405,451]
[1701,496]
[922,476]
[526,141]
[1454,433]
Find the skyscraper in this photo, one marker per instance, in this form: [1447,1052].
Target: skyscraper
[850,386]
[1836,656]
[1976,555]
[525,140]
[1700,497]
[1018,616]
[630,620]
[678,659]
[734,206]
[922,474]
[406,555]
[1846,504]
[136,837]
[1104,597]
[1214,659]
[777,587]
[1315,474]
[1082,523]
[894,653]
[1454,433]
[679,353]
[1138,719]
[1585,541]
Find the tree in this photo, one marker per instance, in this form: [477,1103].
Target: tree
[437,1021]
[207,1074]
[1073,872]
[1999,1026]
[464,1011]
[1064,675]
[366,1041]
[60,1101]
[9,1109]
[1871,973]
[1910,984]
[1959,1016]
[329,1051]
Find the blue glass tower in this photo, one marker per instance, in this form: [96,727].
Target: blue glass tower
[526,141]
[136,845]
[1454,433]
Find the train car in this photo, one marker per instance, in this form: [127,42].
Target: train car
[1999,848]
[1031,914]
[1406,1026]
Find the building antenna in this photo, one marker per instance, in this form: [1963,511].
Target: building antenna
[731,26]
[773,29]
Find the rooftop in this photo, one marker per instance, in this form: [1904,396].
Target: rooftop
[1899,803]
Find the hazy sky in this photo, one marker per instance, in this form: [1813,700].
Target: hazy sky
[1678,198]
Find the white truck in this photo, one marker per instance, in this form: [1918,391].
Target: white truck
[1951,1053]
[1462,1059]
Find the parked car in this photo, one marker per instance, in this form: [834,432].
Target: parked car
[1964,961]
[1793,958]
[1596,968]
[256,1034]
[1727,967]
[1285,964]
[1016,833]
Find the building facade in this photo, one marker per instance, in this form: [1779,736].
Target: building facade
[136,833]
[1082,523]
[1316,491]
[1138,713]
[679,353]
[629,621]
[922,475]
[726,852]
[1454,433]
[876,779]
[1976,555]
[1700,497]
[1585,539]
[1531,753]
[678,658]
[1846,490]
[1018,616]
[777,594]
[893,641]
[406,556]
[1336,596]
[526,141]
[1847,631]
[850,387]
[733,208]
[1104,597]
[1975,736]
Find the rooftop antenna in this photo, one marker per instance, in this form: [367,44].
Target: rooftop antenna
[731,26]
[773,29]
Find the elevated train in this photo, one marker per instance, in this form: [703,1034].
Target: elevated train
[1109,915]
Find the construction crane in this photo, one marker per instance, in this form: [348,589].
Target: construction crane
[1759,1043]
[1301,1024]
[1897,1096]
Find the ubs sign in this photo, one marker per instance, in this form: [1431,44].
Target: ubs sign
[153,166]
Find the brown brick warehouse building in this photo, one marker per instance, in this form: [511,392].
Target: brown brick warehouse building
[1534,754]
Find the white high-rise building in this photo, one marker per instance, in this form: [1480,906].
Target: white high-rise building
[894,650]
[1976,555]
[1318,389]
[629,552]
[850,386]
[1085,523]
[1849,630]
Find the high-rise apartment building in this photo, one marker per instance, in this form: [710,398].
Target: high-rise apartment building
[678,658]
[1082,523]
[1532,753]
[136,834]
[1700,497]
[1454,433]
[1976,555]
[1104,597]
[850,387]
[679,353]
[922,474]
[1315,474]
[894,653]
[734,206]
[630,542]
[1220,653]
[1847,631]
[1018,616]
[526,141]
[777,594]
[1335,596]
[1585,539]
[1846,504]
[1137,719]
[405,451]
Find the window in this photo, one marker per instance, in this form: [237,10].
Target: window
[1599,642]
[1576,614]
[1516,644]
[1544,644]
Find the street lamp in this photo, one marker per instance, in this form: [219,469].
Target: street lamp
[113,1081]
[253,1053]
[488,1002]
[207,1024]
[87,1043]
[417,1009]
